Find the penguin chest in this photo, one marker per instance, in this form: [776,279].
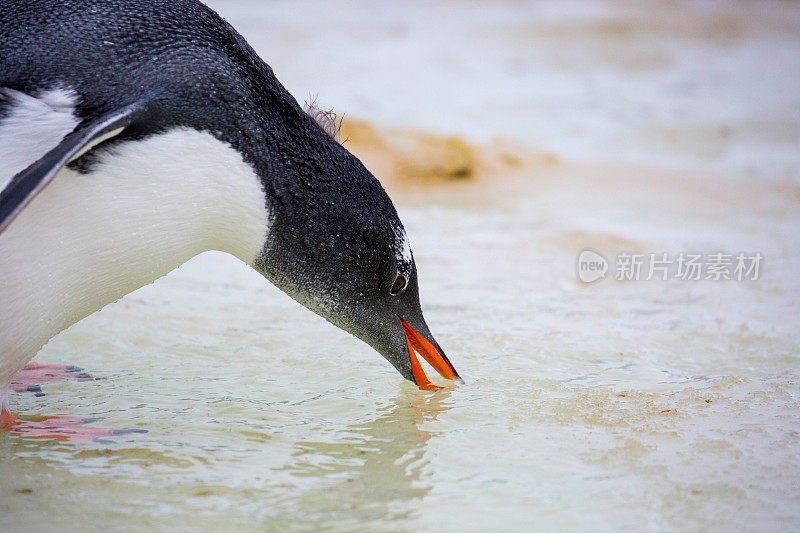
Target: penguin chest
[143,208]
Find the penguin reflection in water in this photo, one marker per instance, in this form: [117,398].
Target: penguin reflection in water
[137,134]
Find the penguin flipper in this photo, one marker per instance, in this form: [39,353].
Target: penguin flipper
[25,185]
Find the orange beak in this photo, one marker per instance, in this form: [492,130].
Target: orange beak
[422,346]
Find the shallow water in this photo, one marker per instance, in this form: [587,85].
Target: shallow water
[657,404]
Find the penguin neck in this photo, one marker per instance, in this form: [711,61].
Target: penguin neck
[143,208]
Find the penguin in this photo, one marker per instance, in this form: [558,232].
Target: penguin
[136,134]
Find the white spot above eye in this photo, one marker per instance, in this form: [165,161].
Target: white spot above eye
[403,247]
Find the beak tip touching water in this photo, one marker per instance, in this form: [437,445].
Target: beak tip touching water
[419,344]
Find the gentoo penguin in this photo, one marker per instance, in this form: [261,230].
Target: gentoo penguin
[136,134]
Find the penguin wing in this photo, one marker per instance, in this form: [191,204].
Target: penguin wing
[25,185]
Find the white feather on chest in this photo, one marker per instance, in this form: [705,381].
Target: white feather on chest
[86,240]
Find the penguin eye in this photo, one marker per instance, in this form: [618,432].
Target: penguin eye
[399,285]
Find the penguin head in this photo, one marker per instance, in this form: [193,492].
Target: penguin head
[337,246]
